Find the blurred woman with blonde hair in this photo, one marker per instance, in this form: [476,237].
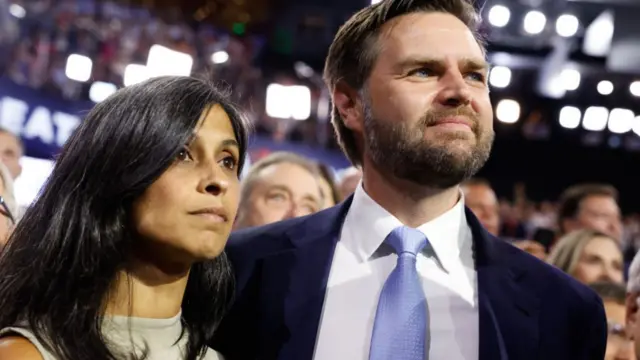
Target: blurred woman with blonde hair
[589,256]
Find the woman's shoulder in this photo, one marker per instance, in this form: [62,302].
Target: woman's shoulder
[209,355]
[18,347]
[21,343]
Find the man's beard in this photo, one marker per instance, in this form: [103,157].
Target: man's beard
[401,150]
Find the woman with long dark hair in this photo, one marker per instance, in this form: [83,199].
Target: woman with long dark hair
[121,256]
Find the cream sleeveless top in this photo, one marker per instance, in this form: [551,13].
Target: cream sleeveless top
[159,336]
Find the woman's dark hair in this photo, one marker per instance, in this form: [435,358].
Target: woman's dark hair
[63,257]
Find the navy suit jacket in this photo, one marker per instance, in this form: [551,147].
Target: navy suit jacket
[527,309]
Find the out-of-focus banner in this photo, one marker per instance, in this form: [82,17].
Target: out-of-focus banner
[44,123]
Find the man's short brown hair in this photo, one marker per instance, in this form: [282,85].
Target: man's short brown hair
[572,198]
[354,50]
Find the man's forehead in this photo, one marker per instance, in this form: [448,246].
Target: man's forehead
[429,33]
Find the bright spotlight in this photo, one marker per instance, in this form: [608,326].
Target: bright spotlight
[134,74]
[500,77]
[499,16]
[375,1]
[99,91]
[570,117]
[599,35]
[288,102]
[636,125]
[78,67]
[620,121]
[534,22]
[220,57]
[567,25]
[163,61]
[634,88]
[595,118]
[508,111]
[605,87]
[17,11]
[570,79]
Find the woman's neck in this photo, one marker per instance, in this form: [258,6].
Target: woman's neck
[148,291]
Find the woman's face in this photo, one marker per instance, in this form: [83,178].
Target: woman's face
[601,260]
[187,213]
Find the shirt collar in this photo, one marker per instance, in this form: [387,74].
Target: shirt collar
[367,224]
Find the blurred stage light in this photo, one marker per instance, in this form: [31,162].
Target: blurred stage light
[570,79]
[605,87]
[163,61]
[570,117]
[636,125]
[595,118]
[375,1]
[534,22]
[634,88]
[17,11]
[99,91]
[500,76]
[499,16]
[508,111]
[599,35]
[78,67]
[134,74]
[288,102]
[220,57]
[567,25]
[303,70]
[620,121]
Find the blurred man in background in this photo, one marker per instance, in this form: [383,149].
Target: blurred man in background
[482,200]
[590,206]
[8,206]
[11,151]
[613,296]
[350,179]
[280,186]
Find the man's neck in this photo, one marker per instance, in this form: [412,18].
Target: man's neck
[412,204]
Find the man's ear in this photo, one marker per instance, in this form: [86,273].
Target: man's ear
[349,105]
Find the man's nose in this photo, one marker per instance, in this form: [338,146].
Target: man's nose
[455,91]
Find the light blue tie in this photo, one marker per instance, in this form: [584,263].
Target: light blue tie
[400,328]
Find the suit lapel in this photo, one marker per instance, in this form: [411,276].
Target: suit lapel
[303,272]
[508,310]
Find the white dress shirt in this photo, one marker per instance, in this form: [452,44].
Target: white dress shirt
[361,266]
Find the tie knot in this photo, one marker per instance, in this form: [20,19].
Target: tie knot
[404,239]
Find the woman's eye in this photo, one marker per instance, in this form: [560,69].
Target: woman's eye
[229,162]
[184,155]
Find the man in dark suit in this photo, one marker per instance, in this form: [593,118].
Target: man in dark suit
[402,270]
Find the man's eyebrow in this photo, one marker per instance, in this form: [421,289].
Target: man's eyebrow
[439,64]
